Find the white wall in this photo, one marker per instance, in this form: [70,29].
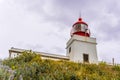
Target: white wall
[82,45]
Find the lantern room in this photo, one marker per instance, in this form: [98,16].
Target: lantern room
[80,28]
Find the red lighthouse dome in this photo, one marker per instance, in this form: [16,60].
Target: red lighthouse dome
[80,28]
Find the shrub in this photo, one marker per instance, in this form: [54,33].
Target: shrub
[32,67]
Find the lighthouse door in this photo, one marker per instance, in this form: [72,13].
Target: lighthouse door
[86,58]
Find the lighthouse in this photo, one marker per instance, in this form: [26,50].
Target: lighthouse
[81,47]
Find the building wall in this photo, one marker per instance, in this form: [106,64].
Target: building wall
[82,45]
[14,52]
[13,55]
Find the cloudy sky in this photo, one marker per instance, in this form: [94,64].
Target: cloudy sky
[44,25]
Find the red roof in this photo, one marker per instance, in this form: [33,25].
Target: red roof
[80,22]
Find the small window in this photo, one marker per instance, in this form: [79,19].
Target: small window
[86,58]
[14,55]
[77,27]
[83,27]
[69,49]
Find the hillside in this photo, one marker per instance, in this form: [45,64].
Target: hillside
[29,66]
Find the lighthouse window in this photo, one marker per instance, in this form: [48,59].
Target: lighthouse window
[77,27]
[86,58]
[69,49]
[83,27]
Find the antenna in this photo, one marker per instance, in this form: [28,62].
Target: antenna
[80,14]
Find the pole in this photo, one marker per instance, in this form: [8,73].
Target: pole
[113,62]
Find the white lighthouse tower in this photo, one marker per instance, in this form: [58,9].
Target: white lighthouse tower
[81,47]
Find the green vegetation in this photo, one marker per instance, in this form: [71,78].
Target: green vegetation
[3,74]
[32,67]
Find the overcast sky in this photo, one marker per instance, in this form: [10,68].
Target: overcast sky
[44,25]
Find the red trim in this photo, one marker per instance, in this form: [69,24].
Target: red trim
[82,34]
[80,22]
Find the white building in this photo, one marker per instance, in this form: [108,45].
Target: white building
[80,48]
